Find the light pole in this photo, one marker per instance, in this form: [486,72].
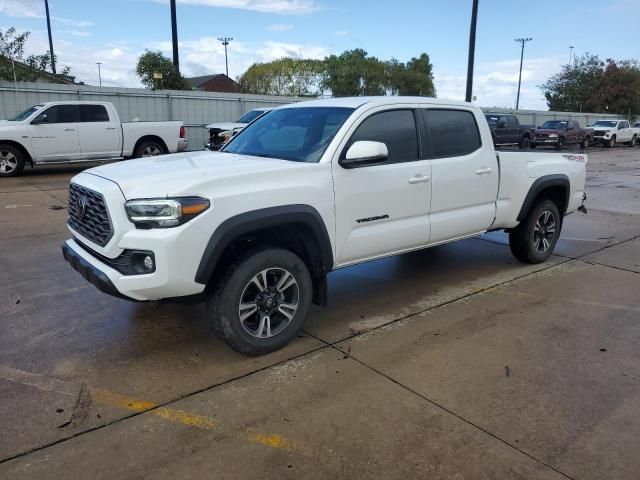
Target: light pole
[174,36]
[472,49]
[99,73]
[53,58]
[522,41]
[570,53]
[225,41]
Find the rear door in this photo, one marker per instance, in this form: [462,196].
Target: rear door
[100,135]
[513,129]
[465,174]
[54,134]
[382,209]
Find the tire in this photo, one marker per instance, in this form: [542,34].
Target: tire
[611,142]
[561,143]
[149,148]
[246,330]
[525,142]
[11,161]
[585,143]
[526,240]
[633,141]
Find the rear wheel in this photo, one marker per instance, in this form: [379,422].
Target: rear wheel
[149,148]
[11,161]
[262,302]
[535,238]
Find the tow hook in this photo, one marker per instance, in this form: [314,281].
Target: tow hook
[582,208]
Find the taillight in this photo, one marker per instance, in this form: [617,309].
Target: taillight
[183,133]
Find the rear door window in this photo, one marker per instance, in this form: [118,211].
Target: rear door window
[452,133]
[93,113]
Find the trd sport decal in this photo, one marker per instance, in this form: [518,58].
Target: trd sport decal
[372,219]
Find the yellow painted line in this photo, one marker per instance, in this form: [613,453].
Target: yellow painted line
[117,400]
[271,440]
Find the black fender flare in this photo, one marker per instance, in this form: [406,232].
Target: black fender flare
[248,222]
[542,183]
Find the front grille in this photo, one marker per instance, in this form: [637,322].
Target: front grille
[88,215]
[542,135]
[599,133]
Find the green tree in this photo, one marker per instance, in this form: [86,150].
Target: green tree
[354,73]
[12,59]
[593,85]
[158,73]
[414,78]
[286,76]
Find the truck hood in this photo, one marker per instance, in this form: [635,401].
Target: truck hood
[226,126]
[189,173]
[547,131]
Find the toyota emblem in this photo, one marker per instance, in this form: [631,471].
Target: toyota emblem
[81,206]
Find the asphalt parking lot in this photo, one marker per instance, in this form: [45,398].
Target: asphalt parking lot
[450,363]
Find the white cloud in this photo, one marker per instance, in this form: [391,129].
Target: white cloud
[341,33]
[283,7]
[35,9]
[495,84]
[76,33]
[279,27]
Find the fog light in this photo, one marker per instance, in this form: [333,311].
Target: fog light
[148,263]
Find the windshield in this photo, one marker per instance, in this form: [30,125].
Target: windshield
[250,116]
[492,119]
[555,124]
[296,134]
[26,114]
[605,123]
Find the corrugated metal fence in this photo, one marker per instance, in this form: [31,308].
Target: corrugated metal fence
[195,109]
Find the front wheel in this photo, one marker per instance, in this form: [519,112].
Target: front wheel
[535,238]
[11,161]
[262,301]
[585,143]
[611,142]
[525,143]
[560,144]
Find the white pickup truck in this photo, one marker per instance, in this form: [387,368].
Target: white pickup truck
[610,132]
[64,132]
[306,189]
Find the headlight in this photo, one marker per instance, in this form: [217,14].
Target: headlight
[553,135]
[164,212]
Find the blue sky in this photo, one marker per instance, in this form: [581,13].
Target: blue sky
[115,32]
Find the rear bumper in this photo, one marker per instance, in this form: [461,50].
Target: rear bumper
[91,273]
[182,145]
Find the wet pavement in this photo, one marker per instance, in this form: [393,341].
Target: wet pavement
[452,362]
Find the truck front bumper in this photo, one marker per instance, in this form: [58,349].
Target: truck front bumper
[91,273]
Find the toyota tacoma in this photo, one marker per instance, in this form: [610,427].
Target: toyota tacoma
[308,188]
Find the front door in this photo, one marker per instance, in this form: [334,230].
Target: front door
[382,209]
[54,135]
[465,175]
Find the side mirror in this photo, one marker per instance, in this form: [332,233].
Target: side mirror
[42,118]
[501,124]
[363,153]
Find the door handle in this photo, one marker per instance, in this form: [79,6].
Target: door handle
[483,171]
[111,128]
[419,179]
[69,129]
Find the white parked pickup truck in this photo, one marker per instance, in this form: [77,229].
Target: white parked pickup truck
[63,132]
[306,189]
[610,132]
